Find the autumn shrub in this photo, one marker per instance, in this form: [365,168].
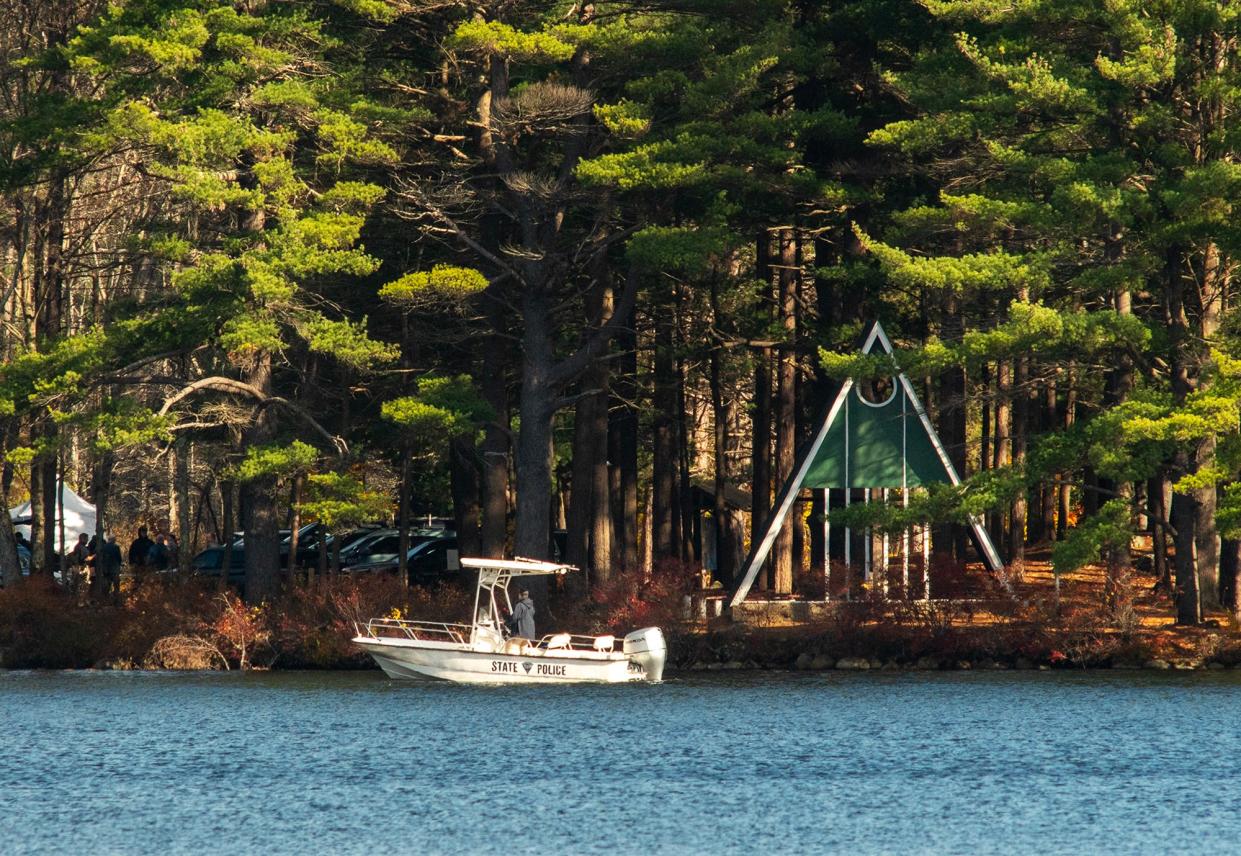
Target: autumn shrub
[312,624]
[630,600]
[43,627]
[1084,640]
[187,653]
[810,583]
[950,579]
[241,632]
[160,607]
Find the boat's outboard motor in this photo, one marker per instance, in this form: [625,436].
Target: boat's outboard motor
[647,650]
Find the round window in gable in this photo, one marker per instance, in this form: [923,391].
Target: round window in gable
[876,391]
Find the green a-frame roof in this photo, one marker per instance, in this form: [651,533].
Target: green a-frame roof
[865,444]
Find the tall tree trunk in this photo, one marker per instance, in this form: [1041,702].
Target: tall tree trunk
[1020,506]
[688,537]
[10,566]
[1229,568]
[1214,284]
[952,420]
[183,451]
[50,302]
[464,481]
[402,520]
[598,377]
[533,449]
[1186,510]
[786,406]
[760,487]
[493,525]
[1064,498]
[665,525]
[262,514]
[726,557]
[590,523]
[1002,447]
[623,452]
[1157,492]
[1184,520]
[1048,491]
[227,515]
[295,523]
[38,511]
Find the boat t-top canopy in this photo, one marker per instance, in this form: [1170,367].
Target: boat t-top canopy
[493,579]
[517,567]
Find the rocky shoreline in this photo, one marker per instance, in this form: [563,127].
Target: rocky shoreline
[737,649]
[806,662]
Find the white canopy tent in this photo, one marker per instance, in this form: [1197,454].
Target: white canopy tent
[79,517]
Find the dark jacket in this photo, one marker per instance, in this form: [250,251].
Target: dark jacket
[109,560]
[139,550]
[157,558]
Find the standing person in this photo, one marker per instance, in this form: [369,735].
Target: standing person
[523,616]
[138,551]
[157,557]
[109,566]
[77,568]
[174,551]
[92,572]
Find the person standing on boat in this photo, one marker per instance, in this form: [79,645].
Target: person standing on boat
[523,616]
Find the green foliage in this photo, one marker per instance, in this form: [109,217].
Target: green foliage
[446,286]
[347,341]
[275,462]
[680,249]
[338,500]
[1032,330]
[626,119]
[1110,529]
[445,407]
[494,37]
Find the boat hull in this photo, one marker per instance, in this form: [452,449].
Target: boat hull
[407,660]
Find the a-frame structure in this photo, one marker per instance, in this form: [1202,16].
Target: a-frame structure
[887,444]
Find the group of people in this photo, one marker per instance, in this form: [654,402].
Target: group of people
[96,568]
[158,555]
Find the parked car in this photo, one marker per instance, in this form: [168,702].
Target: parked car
[210,563]
[433,560]
[312,535]
[385,544]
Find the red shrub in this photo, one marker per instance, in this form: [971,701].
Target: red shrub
[628,601]
[42,627]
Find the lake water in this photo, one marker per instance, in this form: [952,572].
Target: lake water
[302,763]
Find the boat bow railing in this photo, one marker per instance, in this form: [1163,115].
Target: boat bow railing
[428,631]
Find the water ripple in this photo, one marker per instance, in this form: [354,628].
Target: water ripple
[731,764]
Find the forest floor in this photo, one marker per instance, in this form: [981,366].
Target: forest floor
[1124,621]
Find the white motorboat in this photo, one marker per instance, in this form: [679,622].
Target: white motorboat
[482,652]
